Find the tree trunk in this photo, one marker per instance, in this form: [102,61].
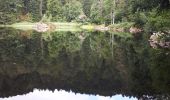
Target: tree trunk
[40,9]
[42,47]
[101,9]
[113,18]
[113,12]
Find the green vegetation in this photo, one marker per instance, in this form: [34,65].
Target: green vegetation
[152,15]
[104,64]
[60,26]
[122,26]
[105,60]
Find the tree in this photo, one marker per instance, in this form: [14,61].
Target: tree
[54,7]
[9,11]
[96,14]
[41,7]
[87,7]
[72,12]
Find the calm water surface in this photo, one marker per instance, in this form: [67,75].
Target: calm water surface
[32,65]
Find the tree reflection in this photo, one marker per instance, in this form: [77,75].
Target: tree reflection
[97,65]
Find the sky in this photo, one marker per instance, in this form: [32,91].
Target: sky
[62,95]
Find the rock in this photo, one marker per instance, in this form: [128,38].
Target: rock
[81,37]
[82,17]
[135,30]
[153,45]
[158,40]
[101,28]
[162,43]
[120,30]
[41,27]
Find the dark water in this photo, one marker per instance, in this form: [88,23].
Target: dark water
[93,63]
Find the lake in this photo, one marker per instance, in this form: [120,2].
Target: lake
[91,64]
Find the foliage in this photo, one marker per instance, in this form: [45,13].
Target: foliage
[98,11]
[87,7]
[54,8]
[33,9]
[126,26]
[62,40]
[143,5]
[103,64]
[8,11]
[139,19]
[158,21]
[98,63]
[72,12]
[95,14]
[160,69]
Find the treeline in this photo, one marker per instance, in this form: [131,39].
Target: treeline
[94,11]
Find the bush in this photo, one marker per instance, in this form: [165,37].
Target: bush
[125,26]
[120,16]
[7,18]
[139,19]
[158,21]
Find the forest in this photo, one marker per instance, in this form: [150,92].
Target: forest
[148,15]
[99,47]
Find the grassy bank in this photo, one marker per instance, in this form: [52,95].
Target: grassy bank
[121,27]
[60,26]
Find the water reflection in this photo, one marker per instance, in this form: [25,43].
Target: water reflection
[83,62]
[62,95]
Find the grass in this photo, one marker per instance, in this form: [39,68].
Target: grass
[61,26]
[87,27]
[72,27]
[125,25]
[65,24]
[22,25]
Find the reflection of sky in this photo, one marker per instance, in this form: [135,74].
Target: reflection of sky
[62,95]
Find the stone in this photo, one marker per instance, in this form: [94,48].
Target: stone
[41,27]
[157,40]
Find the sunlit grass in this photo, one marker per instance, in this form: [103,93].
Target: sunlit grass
[87,27]
[59,26]
[64,26]
[23,25]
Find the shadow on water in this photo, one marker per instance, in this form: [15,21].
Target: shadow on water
[83,62]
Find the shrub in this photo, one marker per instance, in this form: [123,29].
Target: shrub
[158,21]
